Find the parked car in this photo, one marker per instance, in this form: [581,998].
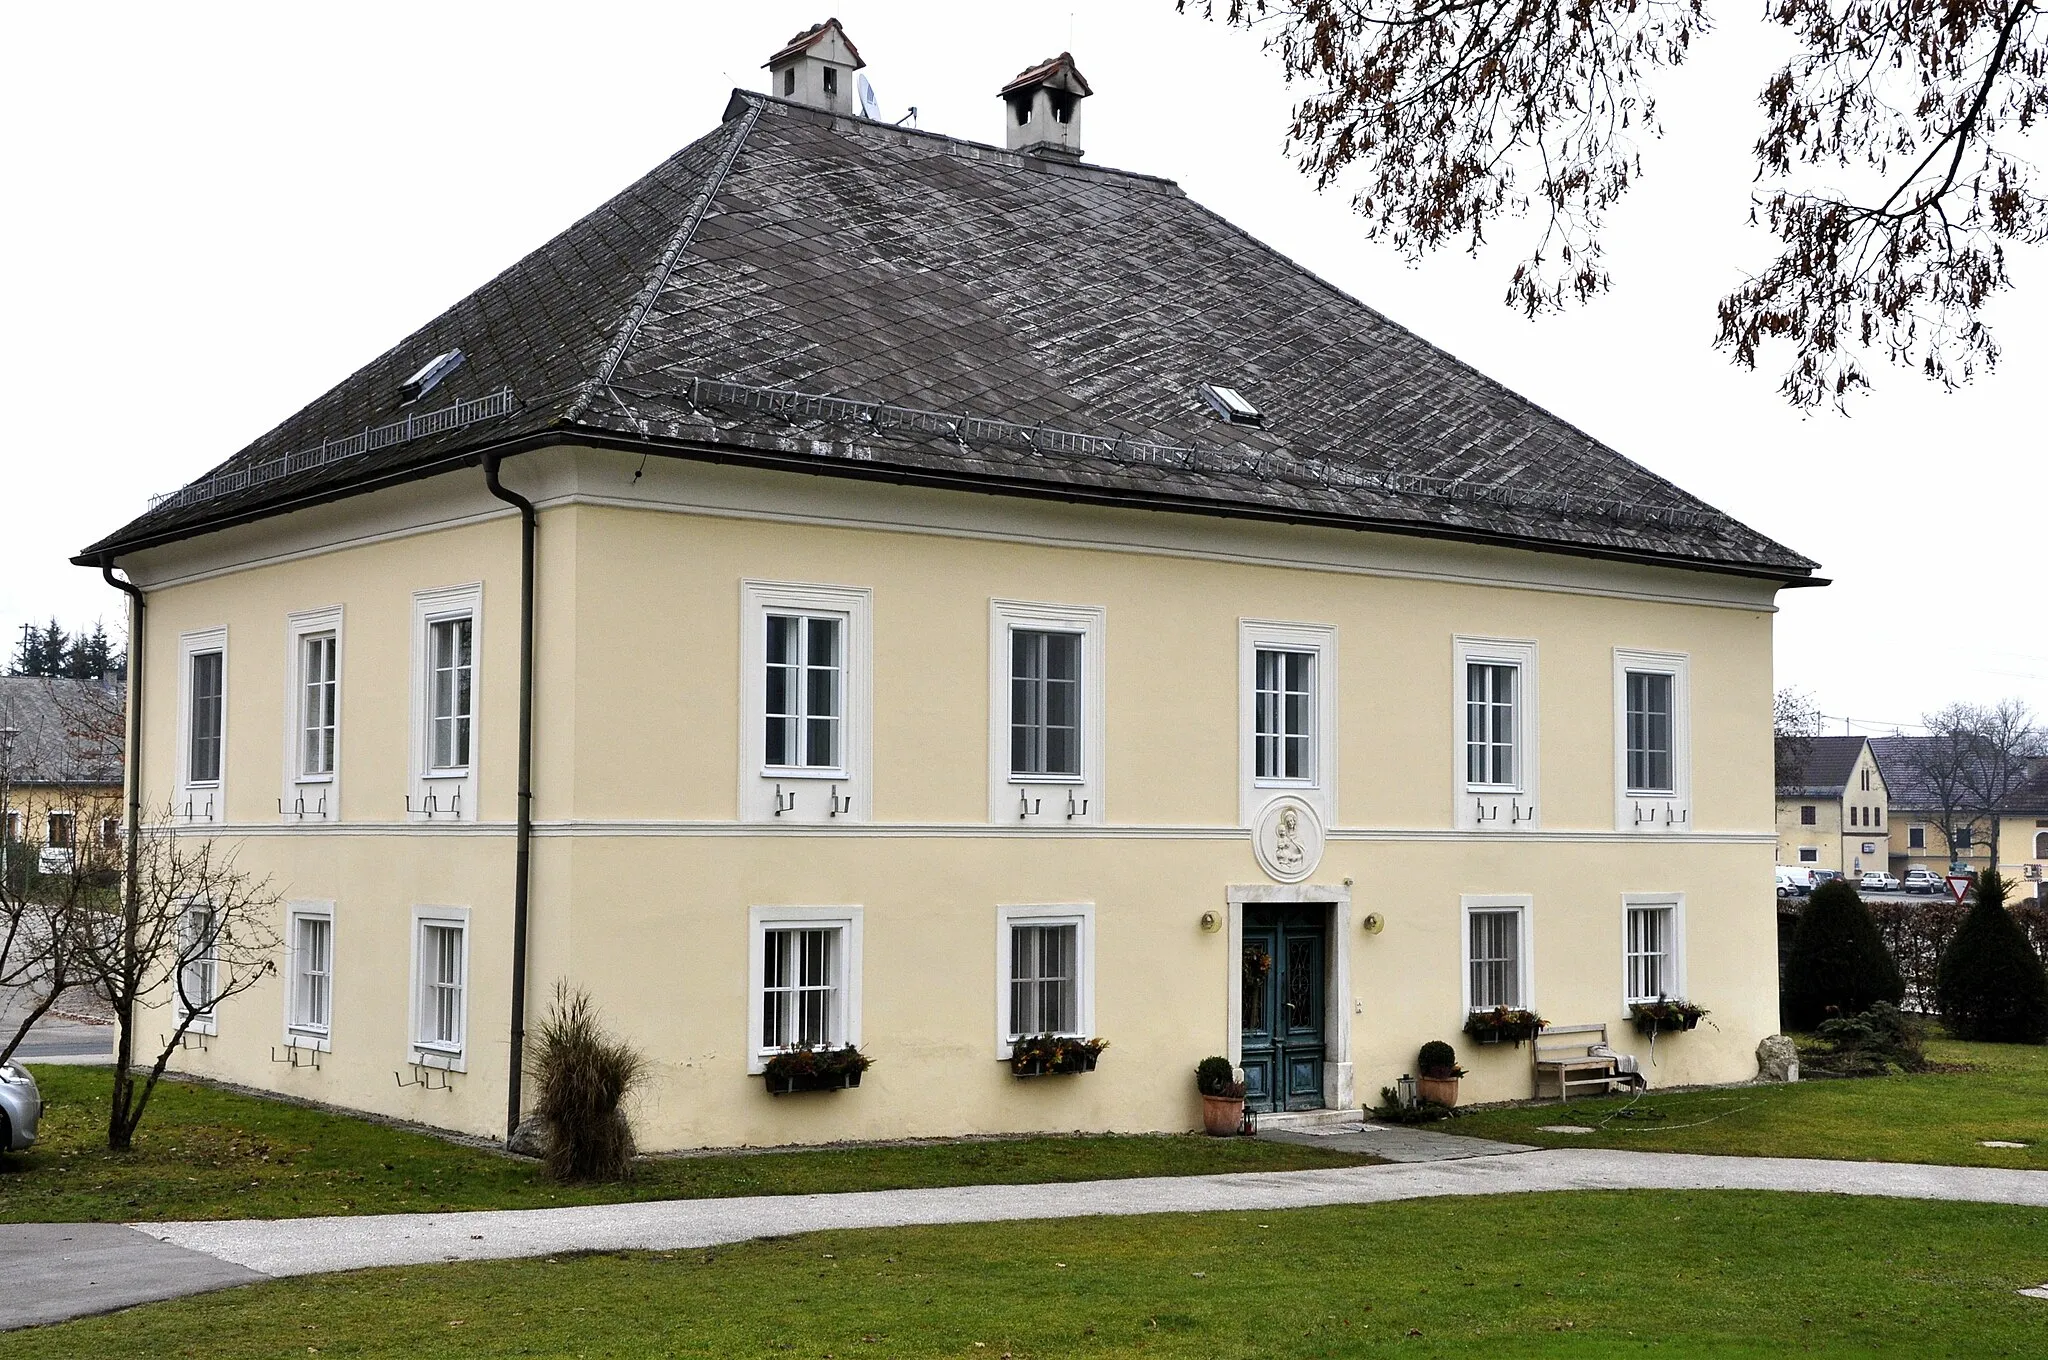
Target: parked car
[1923,881]
[21,1108]
[1794,880]
[1877,880]
[1821,876]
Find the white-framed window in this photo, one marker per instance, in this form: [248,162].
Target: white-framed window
[446,701]
[440,986]
[1653,947]
[13,829]
[198,965]
[1045,712]
[110,833]
[62,830]
[806,659]
[202,726]
[1652,741]
[1287,715]
[309,974]
[1809,854]
[312,742]
[1045,972]
[1496,951]
[804,979]
[1493,700]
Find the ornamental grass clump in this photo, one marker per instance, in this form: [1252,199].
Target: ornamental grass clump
[581,1078]
[1990,985]
[1838,964]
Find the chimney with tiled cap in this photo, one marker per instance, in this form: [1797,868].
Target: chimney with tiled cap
[1042,109]
[816,68]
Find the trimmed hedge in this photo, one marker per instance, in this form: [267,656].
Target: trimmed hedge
[1916,934]
[1839,964]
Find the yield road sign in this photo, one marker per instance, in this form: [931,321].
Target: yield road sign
[1958,886]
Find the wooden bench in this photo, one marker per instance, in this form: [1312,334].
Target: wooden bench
[1563,1052]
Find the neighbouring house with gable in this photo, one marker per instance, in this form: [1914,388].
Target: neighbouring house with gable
[864,586]
[60,772]
[1833,813]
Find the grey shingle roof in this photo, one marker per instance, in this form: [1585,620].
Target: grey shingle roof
[1909,790]
[1828,763]
[1069,310]
[64,731]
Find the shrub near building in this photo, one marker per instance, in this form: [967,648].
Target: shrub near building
[1838,964]
[1991,985]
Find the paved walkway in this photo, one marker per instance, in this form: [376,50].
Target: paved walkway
[213,1251]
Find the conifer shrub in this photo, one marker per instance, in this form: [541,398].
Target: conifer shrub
[1991,985]
[1838,964]
[581,1078]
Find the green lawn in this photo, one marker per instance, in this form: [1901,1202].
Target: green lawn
[205,1153]
[1930,1117]
[1581,1274]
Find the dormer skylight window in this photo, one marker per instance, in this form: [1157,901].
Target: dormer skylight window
[1230,403]
[430,374]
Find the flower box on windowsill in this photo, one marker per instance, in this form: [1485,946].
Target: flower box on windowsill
[1053,1055]
[815,1069]
[1665,1017]
[1503,1023]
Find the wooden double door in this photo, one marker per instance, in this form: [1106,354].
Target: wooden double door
[1283,1043]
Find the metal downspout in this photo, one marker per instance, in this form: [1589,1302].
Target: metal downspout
[522,869]
[132,761]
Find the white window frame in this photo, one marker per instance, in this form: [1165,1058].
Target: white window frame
[1675,904]
[319,795]
[201,800]
[296,1034]
[453,791]
[1035,799]
[805,794]
[1320,789]
[454,1058]
[1524,906]
[761,920]
[1648,811]
[1809,854]
[1512,806]
[1078,914]
[70,819]
[205,1021]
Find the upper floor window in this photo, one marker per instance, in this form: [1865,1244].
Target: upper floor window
[452,687]
[1809,814]
[806,660]
[1653,759]
[1045,705]
[209,716]
[312,739]
[1287,720]
[1285,700]
[1916,838]
[805,678]
[1866,781]
[1494,697]
[319,690]
[63,830]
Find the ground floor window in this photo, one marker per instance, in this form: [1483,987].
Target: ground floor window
[1651,951]
[311,981]
[197,965]
[805,964]
[441,983]
[63,829]
[1809,854]
[1045,972]
[1496,952]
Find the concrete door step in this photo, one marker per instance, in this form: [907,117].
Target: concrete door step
[1303,1121]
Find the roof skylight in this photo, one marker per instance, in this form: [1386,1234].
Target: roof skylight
[431,373]
[1230,403]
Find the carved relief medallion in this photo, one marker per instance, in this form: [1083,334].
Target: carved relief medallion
[1288,839]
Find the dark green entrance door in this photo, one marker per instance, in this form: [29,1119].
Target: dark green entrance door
[1282,1048]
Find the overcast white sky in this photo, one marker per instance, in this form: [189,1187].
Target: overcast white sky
[216,211]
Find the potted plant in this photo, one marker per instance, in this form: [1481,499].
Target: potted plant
[1222,1097]
[1503,1022]
[1054,1055]
[1665,1016]
[1437,1073]
[815,1069]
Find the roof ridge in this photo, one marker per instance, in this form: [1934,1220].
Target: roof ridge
[657,280]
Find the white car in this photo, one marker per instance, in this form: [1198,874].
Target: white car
[1924,881]
[21,1108]
[1877,880]
[1794,880]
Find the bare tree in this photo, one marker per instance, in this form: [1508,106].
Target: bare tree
[192,932]
[1462,113]
[1970,763]
[1795,722]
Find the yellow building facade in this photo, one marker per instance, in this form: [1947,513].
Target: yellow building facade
[1837,815]
[923,659]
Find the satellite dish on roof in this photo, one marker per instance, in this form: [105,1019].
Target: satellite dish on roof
[869,109]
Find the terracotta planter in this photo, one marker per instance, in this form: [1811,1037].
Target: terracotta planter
[1221,1115]
[1442,1090]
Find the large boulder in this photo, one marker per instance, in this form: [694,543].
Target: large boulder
[530,1139]
[1777,1059]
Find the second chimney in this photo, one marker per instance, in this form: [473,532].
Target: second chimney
[1042,109]
[816,68]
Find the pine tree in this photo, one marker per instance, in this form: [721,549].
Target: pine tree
[1838,963]
[55,644]
[1990,983]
